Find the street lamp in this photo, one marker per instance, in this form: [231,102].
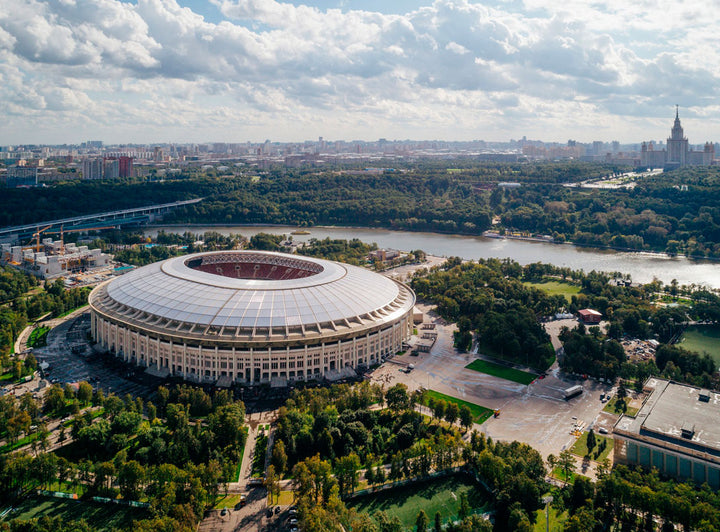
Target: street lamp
[547,500]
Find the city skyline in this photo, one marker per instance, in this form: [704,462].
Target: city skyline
[161,71]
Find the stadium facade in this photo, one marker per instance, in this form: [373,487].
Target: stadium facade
[251,317]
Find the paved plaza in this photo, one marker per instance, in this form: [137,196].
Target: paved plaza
[536,414]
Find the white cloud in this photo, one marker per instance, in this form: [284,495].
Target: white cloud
[465,69]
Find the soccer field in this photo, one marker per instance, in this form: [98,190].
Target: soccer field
[480,413]
[557,288]
[438,495]
[101,516]
[504,372]
[702,339]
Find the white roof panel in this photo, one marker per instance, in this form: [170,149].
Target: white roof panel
[332,292]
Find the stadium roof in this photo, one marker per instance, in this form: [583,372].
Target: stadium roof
[185,289]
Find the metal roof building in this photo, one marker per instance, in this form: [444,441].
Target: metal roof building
[676,430]
[251,316]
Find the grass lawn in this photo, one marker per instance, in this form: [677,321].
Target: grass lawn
[22,442]
[68,487]
[557,520]
[230,501]
[613,408]
[579,448]
[498,370]
[558,474]
[286,498]
[480,413]
[702,339]
[438,495]
[67,312]
[556,288]
[38,337]
[100,516]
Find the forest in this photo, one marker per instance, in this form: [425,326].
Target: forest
[513,473]
[676,212]
[174,456]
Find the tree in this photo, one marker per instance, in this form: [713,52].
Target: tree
[279,458]
[380,474]
[438,408]
[603,469]
[130,477]
[622,391]
[84,393]
[591,440]
[346,472]
[464,509]
[151,411]
[421,523]
[438,522]
[451,412]
[54,399]
[272,482]
[370,475]
[466,417]
[104,473]
[551,462]
[397,398]
[567,464]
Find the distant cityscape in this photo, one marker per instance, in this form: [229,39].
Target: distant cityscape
[31,165]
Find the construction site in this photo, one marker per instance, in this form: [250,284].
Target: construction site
[49,259]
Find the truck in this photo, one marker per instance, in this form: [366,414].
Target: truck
[571,392]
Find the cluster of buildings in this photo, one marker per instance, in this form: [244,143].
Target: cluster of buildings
[33,165]
[54,258]
[107,167]
[676,152]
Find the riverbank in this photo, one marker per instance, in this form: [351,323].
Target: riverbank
[643,266]
[307,230]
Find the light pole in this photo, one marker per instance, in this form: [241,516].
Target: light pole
[547,500]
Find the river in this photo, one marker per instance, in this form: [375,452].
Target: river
[643,267]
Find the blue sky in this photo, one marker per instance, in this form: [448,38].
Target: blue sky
[239,70]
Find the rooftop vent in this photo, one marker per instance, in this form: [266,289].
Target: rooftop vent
[704,396]
[688,430]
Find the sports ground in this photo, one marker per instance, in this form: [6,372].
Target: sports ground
[437,495]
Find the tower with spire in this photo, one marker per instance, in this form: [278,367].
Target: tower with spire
[677,153]
[678,146]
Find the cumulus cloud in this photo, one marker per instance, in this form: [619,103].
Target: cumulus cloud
[478,71]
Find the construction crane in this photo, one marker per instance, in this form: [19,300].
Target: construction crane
[36,237]
[78,230]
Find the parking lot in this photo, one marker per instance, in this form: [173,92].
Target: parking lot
[72,359]
[536,414]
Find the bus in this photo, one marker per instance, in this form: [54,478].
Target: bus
[571,392]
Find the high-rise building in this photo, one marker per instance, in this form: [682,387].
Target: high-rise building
[21,176]
[92,168]
[677,144]
[111,168]
[126,166]
[678,152]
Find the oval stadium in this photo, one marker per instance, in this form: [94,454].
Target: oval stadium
[251,317]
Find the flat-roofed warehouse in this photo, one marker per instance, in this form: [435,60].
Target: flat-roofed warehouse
[251,317]
[676,430]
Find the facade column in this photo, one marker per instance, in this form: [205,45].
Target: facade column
[252,366]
